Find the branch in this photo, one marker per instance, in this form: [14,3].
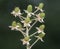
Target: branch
[27,31]
[35,11]
[28,46]
[34,43]
[33,34]
[20,17]
[32,25]
[22,33]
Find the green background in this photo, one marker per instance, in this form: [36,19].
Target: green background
[11,39]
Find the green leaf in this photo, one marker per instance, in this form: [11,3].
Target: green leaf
[29,8]
[41,5]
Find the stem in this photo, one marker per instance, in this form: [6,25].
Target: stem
[32,25]
[27,31]
[34,43]
[20,17]
[27,34]
[33,34]
[28,47]
[22,32]
[35,11]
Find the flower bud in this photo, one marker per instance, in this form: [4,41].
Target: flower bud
[41,5]
[42,27]
[41,35]
[27,20]
[19,24]
[14,23]
[29,8]
[42,15]
[16,9]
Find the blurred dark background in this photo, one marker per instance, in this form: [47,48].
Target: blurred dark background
[11,39]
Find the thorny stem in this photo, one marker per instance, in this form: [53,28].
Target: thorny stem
[34,43]
[33,34]
[32,25]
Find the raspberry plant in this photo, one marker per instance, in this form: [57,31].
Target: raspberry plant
[27,22]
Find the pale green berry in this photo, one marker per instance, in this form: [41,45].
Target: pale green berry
[29,8]
[42,27]
[26,38]
[19,24]
[27,20]
[41,35]
[42,15]
[16,9]
[14,23]
[41,5]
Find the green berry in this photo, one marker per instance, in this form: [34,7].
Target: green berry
[27,20]
[14,23]
[19,24]
[42,27]
[42,15]
[26,38]
[41,35]
[29,8]
[41,5]
[16,9]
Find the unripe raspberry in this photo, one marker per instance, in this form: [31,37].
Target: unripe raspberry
[29,8]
